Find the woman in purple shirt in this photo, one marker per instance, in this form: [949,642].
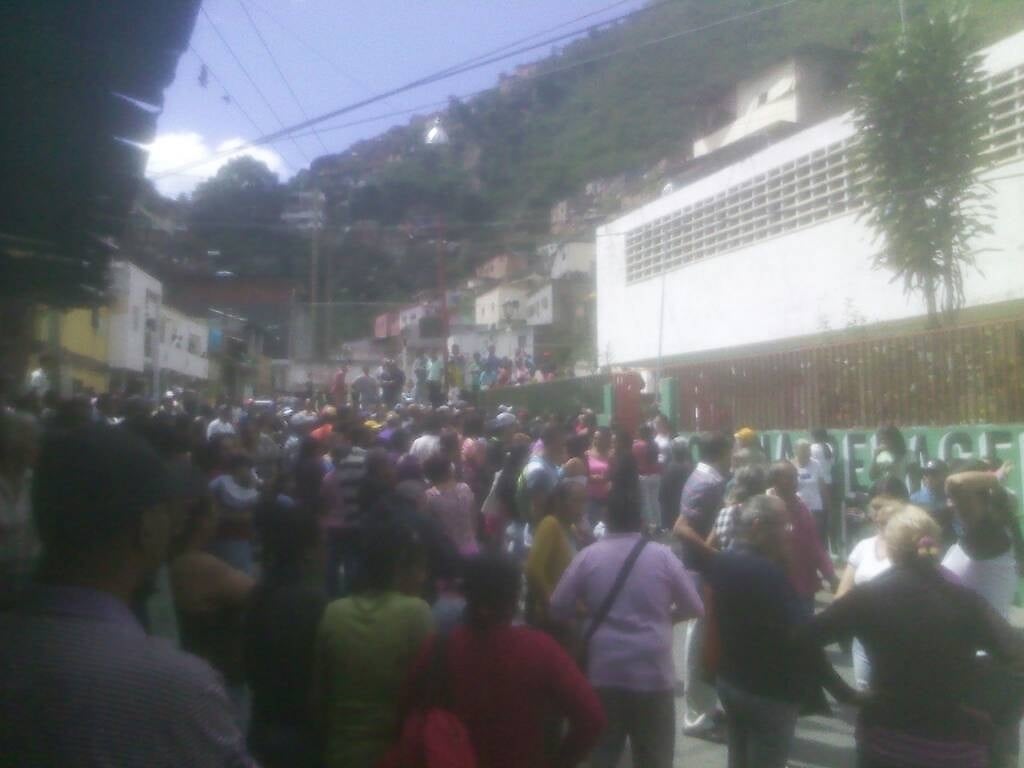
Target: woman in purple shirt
[630,653]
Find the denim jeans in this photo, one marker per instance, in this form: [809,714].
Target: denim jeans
[759,730]
[646,718]
[699,700]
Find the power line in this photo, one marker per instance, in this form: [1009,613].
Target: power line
[575,64]
[309,47]
[227,93]
[447,74]
[252,81]
[515,43]
[284,79]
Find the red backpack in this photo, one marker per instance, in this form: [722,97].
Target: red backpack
[432,735]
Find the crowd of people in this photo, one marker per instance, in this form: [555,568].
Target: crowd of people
[427,384]
[378,582]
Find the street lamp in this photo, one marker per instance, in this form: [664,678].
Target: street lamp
[437,136]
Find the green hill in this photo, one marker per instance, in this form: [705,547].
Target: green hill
[608,104]
[615,102]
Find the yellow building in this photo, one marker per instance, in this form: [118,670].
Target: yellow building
[77,341]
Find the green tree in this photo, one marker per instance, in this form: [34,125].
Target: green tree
[237,213]
[922,115]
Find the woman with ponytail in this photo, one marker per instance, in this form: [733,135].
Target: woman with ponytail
[922,632]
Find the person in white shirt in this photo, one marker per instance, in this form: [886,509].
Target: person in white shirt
[429,443]
[986,558]
[867,560]
[663,439]
[222,425]
[823,453]
[811,486]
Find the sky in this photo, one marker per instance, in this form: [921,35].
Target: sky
[331,53]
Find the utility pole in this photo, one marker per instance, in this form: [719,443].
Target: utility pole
[314,276]
[903,16]
[442,287]
[329,316]
[661,337]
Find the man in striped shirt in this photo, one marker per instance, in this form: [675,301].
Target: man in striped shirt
[83,684]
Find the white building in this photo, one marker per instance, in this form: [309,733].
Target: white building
[798,90]
[183,342]
[501,305]
[770,249]
[540,305]
[134,319]
[573,258]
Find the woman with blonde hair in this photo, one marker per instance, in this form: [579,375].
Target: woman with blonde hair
[914,620]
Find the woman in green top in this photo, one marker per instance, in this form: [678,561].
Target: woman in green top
[366,644]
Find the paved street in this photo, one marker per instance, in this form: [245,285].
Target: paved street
[820,742]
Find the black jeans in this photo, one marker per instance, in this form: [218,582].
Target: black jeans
[436,396]
[648,719]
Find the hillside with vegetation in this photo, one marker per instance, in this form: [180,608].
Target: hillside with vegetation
[616,102]
[607,105]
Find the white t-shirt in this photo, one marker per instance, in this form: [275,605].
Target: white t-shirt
[218,427]
[425,446]
[818,454]
[664,443]
[866,566]
[866,562]
[994,579]
[809,478]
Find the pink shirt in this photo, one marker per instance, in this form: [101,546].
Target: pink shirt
[632,649]
[453,510]
[598,483]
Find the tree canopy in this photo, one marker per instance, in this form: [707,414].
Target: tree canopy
[922,116]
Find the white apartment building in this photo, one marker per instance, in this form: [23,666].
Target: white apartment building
[771,248]
[183,341]
[141,324]
[134,318]
[501,305]
[796,91]
[573,258]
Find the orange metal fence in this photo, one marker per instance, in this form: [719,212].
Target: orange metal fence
[949,376]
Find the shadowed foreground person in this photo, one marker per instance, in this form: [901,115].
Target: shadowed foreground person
[508,681]
[82,683]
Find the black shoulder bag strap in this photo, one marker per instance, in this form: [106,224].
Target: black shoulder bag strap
[609,600]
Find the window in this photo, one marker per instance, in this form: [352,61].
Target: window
[544,303]
[193,344]
[94,319]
